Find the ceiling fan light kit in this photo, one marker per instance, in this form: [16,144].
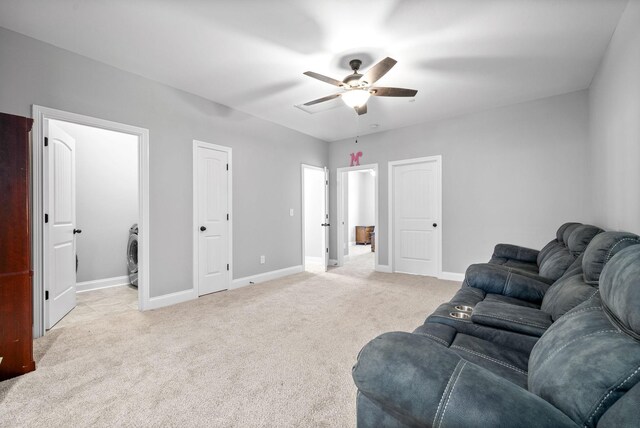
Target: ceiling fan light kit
[358,87]
[356,97]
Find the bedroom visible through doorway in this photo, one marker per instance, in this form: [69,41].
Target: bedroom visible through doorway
[357,191]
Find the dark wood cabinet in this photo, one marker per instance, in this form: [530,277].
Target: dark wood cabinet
[16,300]
[363,234]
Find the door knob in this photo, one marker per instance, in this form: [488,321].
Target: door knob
[202,228]
[435,224]
[325,224]
[77,231]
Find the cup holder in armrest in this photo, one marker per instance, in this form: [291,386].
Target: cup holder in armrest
[460,315]
[463,308]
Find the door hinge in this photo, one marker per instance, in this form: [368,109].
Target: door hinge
[46,295]
[227,266]
[227,167]
[46,218]
[326,182]
[327,250]
[227,217]
[46,141]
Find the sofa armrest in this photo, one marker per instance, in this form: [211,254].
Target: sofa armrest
[425,384]
[515,252]
[500,280]
[504,316]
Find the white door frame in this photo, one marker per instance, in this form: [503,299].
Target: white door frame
[340,189]
[40,115]
[196,225]
[302,213]
[392,165]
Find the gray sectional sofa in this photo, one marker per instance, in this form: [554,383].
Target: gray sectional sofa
[567,354]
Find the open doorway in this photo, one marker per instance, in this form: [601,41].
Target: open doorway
[100,205]
[315,219]
[90,217]
[357,189]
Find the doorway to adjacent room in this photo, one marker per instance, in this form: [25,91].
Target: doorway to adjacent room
[90,217]
[357,215]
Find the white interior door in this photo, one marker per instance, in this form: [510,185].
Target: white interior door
[325,235]
[213,220]
[416,199]
[60,247]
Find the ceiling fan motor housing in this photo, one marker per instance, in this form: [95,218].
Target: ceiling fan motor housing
[355,64]
[355,77]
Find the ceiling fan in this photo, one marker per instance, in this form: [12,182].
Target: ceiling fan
[357,87]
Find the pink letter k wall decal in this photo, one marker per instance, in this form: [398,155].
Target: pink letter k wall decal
[355,159]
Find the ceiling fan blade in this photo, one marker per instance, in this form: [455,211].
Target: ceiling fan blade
[325,79]
[393,92]
[378,70]
[323,99]
[361,110]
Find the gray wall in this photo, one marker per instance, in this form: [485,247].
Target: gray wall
[106,199]
[614,120]
[266,157]
[511,174]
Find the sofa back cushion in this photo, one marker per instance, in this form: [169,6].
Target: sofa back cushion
[556,244]
[601,249]
[581,237]
[565,294]
[548,249]
[620,289]
[566,233]
[577,237]
[561,229]
[580,281]
[588,359]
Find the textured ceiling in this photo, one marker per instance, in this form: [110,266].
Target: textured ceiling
[461,55]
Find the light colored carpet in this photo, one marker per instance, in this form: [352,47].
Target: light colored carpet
[275,354]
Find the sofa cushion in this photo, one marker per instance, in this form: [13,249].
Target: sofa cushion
[581,237]
[554,266]
[565,295]
[620,289]
[563,228]
[509,363]
[566,233]
[603,247]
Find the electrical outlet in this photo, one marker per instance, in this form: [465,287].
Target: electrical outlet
[262,260]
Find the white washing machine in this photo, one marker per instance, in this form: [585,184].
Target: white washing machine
[132,255]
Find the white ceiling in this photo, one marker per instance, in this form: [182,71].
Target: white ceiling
[461,55]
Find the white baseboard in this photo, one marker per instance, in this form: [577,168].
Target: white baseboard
[172,298]
[265,276]
[98,284]
[452,276]
[383,268]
